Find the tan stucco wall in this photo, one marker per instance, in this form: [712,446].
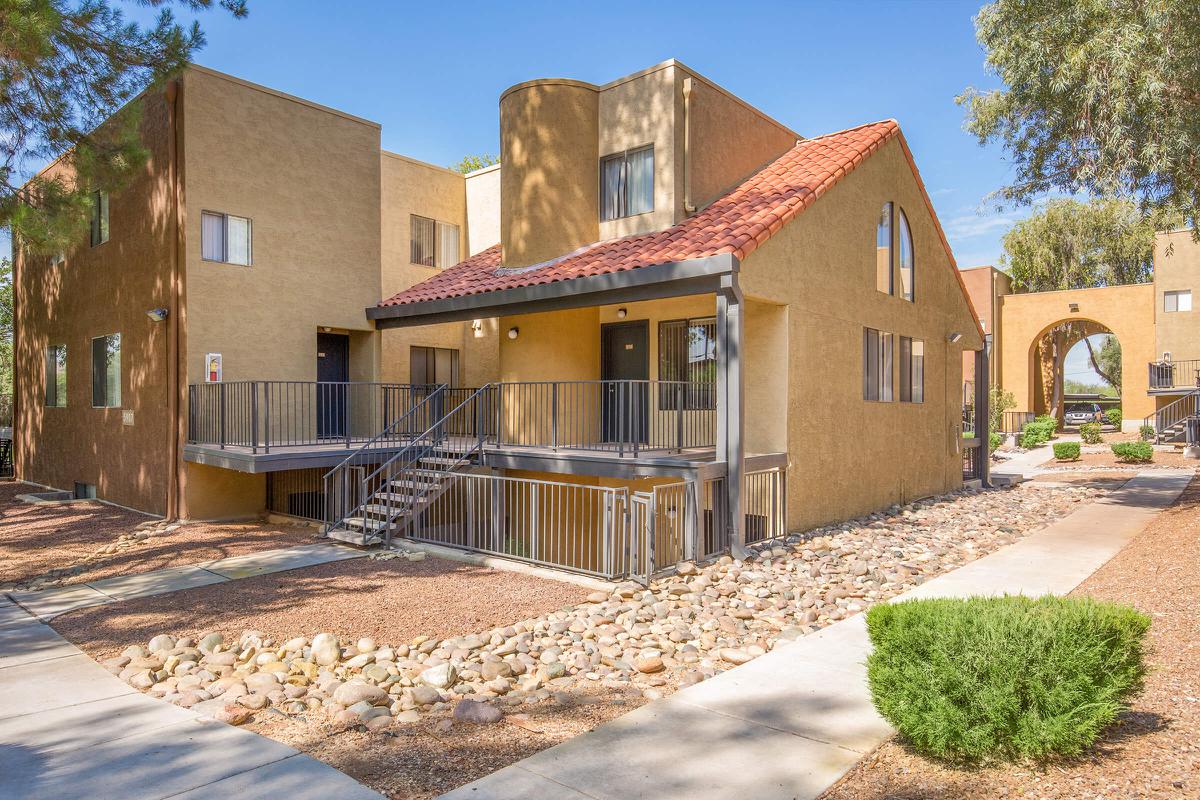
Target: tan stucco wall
[549,202]
[483,209]
[847,455]
[1176,267]
[98,291]
[986,285]
[1126,311]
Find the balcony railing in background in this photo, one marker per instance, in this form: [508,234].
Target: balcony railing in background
[261,415]
[624,417]
[1015,421]
[1175,374]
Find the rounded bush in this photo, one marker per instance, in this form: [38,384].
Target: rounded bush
[1066,451]
[1114,417]
[1004,678]
[1146,432]
[1090,432]
[1136,452]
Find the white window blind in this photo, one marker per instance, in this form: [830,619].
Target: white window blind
[627,183]
[447,236]
[212,236]
[224,237]
[1177,301]
[424,240]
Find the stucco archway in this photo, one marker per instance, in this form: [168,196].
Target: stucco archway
[1126,312]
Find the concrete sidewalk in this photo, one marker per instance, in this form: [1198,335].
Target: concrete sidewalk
[790,723]
[46,604]
[68,728]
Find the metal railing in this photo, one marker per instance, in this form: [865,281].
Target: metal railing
[261,415]
[1175,374]
[973,454]
[1175,413]
[1015,421]
[624,417]
[383,491]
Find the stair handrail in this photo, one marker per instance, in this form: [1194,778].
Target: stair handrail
[1175,411]
[407,459]
[389,434]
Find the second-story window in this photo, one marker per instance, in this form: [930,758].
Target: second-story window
[106,371]
[627,183]
[224,237]
[434,243]
[1177,301]
[56,376]
[99,218]
[883,250]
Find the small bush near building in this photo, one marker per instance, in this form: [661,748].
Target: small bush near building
[1114,417]
[995,439]
[1090,432]
[1136,452]
[1003,678]
[1066,451]
[1038,432]
[1146,432]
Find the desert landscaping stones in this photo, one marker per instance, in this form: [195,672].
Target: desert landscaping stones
[680,630]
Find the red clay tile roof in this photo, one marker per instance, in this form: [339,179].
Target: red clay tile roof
[737,223]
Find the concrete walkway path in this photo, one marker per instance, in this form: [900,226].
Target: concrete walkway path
[790,723]
[46,604]
[68,728]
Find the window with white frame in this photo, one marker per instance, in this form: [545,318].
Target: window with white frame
[56,376]
[912,370]
[434,243]
[225,238]
[99,218]
[883,250]
[106,371]
[906,258]
[877,365]
[1177,301]
[627,183]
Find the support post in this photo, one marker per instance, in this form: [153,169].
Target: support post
[982,391]
[731,394]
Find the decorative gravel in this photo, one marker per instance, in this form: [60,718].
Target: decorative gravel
[412,651]
[43,545]
[1154,750]
[1106,459]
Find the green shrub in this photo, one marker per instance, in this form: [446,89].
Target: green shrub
[1003,677]
[1137,452]
[1050,422]
[1090,432]
[1066,451]
[1038,432]
[995,439]
[1147,433]
[1114,417]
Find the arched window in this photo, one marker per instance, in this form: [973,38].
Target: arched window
[883,250]
[906,259]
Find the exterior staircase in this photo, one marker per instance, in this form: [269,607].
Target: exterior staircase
[1171,421]
[377,491]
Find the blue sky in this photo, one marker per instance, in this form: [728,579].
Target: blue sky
[432,73]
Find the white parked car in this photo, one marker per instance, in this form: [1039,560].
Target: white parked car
[1082,413]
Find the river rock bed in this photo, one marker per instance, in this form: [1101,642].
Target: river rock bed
[680,630]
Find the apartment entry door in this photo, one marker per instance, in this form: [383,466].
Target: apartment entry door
[333,372]
[625,356]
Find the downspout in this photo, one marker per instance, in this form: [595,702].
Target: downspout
[688,206]
[174,415]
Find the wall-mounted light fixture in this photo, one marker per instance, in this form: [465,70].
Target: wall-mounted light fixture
[157,314]
[477,328]
[622,313]
[514,332]
[954,338]
[1074,307]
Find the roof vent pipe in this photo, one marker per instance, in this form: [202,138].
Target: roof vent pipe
[688,206]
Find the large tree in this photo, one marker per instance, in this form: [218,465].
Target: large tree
[1099,96]
[65,67]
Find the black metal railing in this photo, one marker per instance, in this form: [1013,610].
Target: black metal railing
[623,417]
[1015,421]
[1174,415]
[1175,374]
[261,415]
[973,454]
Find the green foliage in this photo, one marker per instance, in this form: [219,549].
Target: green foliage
[1007,678]
[1066,451]
[999,401]
[470,163]
[1108,361]
[1099,98]
[68,66]
[1146,432]
[995,439]
[1090,433]
[1114,417]
[1036,433]
[1068,244]
[1135,452]
[1073,386]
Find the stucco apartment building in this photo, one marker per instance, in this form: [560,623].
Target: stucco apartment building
[246,251]
[1155,323]
[669,326]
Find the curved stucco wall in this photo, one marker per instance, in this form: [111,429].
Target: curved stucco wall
[549,202]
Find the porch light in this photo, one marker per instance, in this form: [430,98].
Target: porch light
[1074,307]
[157,314]
[671,512]
[513,332]
[954,338]
[622,313]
